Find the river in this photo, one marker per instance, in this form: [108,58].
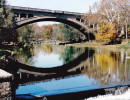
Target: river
[57,71]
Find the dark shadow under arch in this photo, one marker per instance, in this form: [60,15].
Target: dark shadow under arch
[30,15]
[23,15]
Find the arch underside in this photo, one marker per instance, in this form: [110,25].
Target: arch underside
[76,24]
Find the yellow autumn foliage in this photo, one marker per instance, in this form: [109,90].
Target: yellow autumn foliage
[106,61]
[106,33]
[47,48]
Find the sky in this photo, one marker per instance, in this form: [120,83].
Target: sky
[80,6]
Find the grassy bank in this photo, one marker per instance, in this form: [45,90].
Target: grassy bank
[125,46]
[122,46]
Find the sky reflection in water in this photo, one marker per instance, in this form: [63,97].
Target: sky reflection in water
[103,68]
[44,60]
[71,84]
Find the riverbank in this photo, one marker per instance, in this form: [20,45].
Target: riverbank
[122,46]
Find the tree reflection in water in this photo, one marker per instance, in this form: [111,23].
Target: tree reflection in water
[109,67]
[103,66]
[23,54]
[47,48]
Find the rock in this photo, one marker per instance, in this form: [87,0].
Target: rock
[4,74]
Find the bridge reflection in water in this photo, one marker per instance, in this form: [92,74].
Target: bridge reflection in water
[24,74]
[80,78]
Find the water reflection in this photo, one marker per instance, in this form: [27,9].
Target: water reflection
[109,67]
[47,48]
[74,70]
[23,54]
[41,55]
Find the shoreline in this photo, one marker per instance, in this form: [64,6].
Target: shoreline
[118,47]
[124,46]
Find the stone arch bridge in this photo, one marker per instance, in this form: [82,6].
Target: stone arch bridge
[26,16]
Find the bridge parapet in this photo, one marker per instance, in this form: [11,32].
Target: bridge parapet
[44,10]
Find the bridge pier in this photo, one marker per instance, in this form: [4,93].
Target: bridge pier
[20,75]
[26,15]
[19,18]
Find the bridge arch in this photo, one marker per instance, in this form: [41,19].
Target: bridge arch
[74,23]
[73,19]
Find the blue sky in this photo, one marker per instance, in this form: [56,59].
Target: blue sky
[80,6]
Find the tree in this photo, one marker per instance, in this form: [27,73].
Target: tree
[24,33]
[37,32]
[67,33]
[47,31]
[6,17]
[115,11]
[6,22]
[107,33]
[92,20]
[57,32]
[93,16]
[8,35]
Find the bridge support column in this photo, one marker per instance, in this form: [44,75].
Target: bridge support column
[27,75]
[19,17]
[20,75]
[80,20]
[27,16]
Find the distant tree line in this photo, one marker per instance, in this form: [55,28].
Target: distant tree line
[61,32]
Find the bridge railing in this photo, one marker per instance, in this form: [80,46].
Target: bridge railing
[45,10]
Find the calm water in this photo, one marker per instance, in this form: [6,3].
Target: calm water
[80,69]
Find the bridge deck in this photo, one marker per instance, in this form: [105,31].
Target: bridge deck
[45,10]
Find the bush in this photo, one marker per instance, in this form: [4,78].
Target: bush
[107,33]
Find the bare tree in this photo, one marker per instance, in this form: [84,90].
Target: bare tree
[92,18]
[116,11]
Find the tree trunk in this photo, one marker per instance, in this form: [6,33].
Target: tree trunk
[126,30]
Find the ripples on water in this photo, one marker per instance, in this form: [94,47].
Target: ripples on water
[124,96]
